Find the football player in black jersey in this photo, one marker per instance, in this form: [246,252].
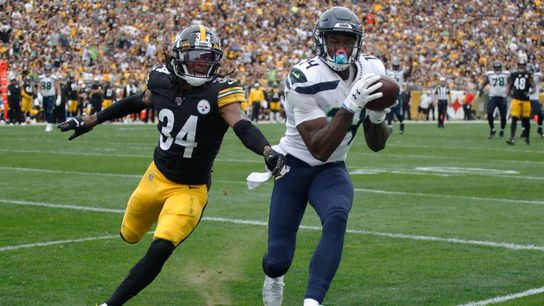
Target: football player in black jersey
[195,108]
[519,86]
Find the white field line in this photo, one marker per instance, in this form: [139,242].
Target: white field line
[503,245]
[48,243]
[242,182]
[536,202]
[500,299]
[382,155]
[442,171]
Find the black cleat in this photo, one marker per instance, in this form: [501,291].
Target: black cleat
[511,141]
[527,141]
[491,134]
[501,134]
[539,132]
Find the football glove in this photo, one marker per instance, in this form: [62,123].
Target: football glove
[276,163]
[361,92]
[58,101]
[77,124]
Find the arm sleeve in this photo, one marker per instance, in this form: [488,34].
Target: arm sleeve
[250,136]
[129,105]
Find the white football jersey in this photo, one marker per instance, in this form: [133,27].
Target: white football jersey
[498,83]
[397,75]
[537,78]
[48,85]
[314,91]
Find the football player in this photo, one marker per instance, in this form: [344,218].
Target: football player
[195,107]
[49,95]
[498,82]
[519,87]
[325,105]
[536,107]
[399,75]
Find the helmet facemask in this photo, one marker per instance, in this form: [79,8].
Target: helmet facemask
[338,56]
[194,59]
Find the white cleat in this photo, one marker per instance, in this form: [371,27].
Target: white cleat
[273,291]
[311,302]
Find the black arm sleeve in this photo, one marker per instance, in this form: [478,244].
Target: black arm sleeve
[250,136]
[128,105]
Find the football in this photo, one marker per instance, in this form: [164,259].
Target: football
[390,90]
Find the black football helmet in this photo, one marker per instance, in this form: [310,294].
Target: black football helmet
[338,20]
[497,66]
[196,55]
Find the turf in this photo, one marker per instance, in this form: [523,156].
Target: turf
[441,217]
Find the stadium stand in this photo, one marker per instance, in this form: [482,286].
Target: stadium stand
[118,41]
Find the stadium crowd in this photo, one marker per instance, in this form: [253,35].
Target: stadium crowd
[119,41]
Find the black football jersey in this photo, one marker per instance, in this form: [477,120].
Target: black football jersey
[520,85]
[190,127]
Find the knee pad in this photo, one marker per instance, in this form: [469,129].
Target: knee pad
[275,270]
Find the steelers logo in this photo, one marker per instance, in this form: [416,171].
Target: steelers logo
[203,107]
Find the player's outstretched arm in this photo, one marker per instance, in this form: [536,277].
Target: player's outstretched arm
[129,105]
[376,130]
[253,139]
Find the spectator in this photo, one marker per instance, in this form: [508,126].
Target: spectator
[14,101]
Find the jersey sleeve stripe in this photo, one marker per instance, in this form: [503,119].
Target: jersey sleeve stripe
[224,94]
[230,89]
[231,98]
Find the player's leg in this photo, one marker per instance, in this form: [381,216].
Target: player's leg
[491,105]
[501,104]
[536,109]
[400,116]
[287,207]
[516,114]
[331,195]
[180,214]
[526,119]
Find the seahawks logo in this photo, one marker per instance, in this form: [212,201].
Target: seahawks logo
[297,76]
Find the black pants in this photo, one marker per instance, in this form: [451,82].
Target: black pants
[442,108]
[14,113]
[256,107]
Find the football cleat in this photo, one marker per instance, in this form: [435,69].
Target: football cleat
[273,291]
[539,132]
[501,133]
[511,141]
[311,302]
[527,141]
[491,133]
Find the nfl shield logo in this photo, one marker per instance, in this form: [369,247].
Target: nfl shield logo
[179,100]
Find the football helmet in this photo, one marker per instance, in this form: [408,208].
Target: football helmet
[338,20]
[497,66]
[531,68]
[396,64]
[522,63]
[196,55]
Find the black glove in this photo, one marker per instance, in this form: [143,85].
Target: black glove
[77,124]
[276,163]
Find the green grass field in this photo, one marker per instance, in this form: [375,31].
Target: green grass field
[441,217]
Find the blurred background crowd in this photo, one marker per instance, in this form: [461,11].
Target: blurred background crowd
[117,42]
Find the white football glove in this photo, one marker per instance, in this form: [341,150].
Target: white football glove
[376,117]
[40,98]
[361,92]
[58,101]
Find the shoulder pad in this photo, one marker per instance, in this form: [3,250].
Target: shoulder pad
[228,91]
[159,77]
[307,77]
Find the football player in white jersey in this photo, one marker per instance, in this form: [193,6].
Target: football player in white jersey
[325,105]
[536,107]
[399,75]
[49,95]
[498,81]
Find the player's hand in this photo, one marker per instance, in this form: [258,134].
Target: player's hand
[276,163]
[377,117]
[77,124]
[58,101]
[362,92]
